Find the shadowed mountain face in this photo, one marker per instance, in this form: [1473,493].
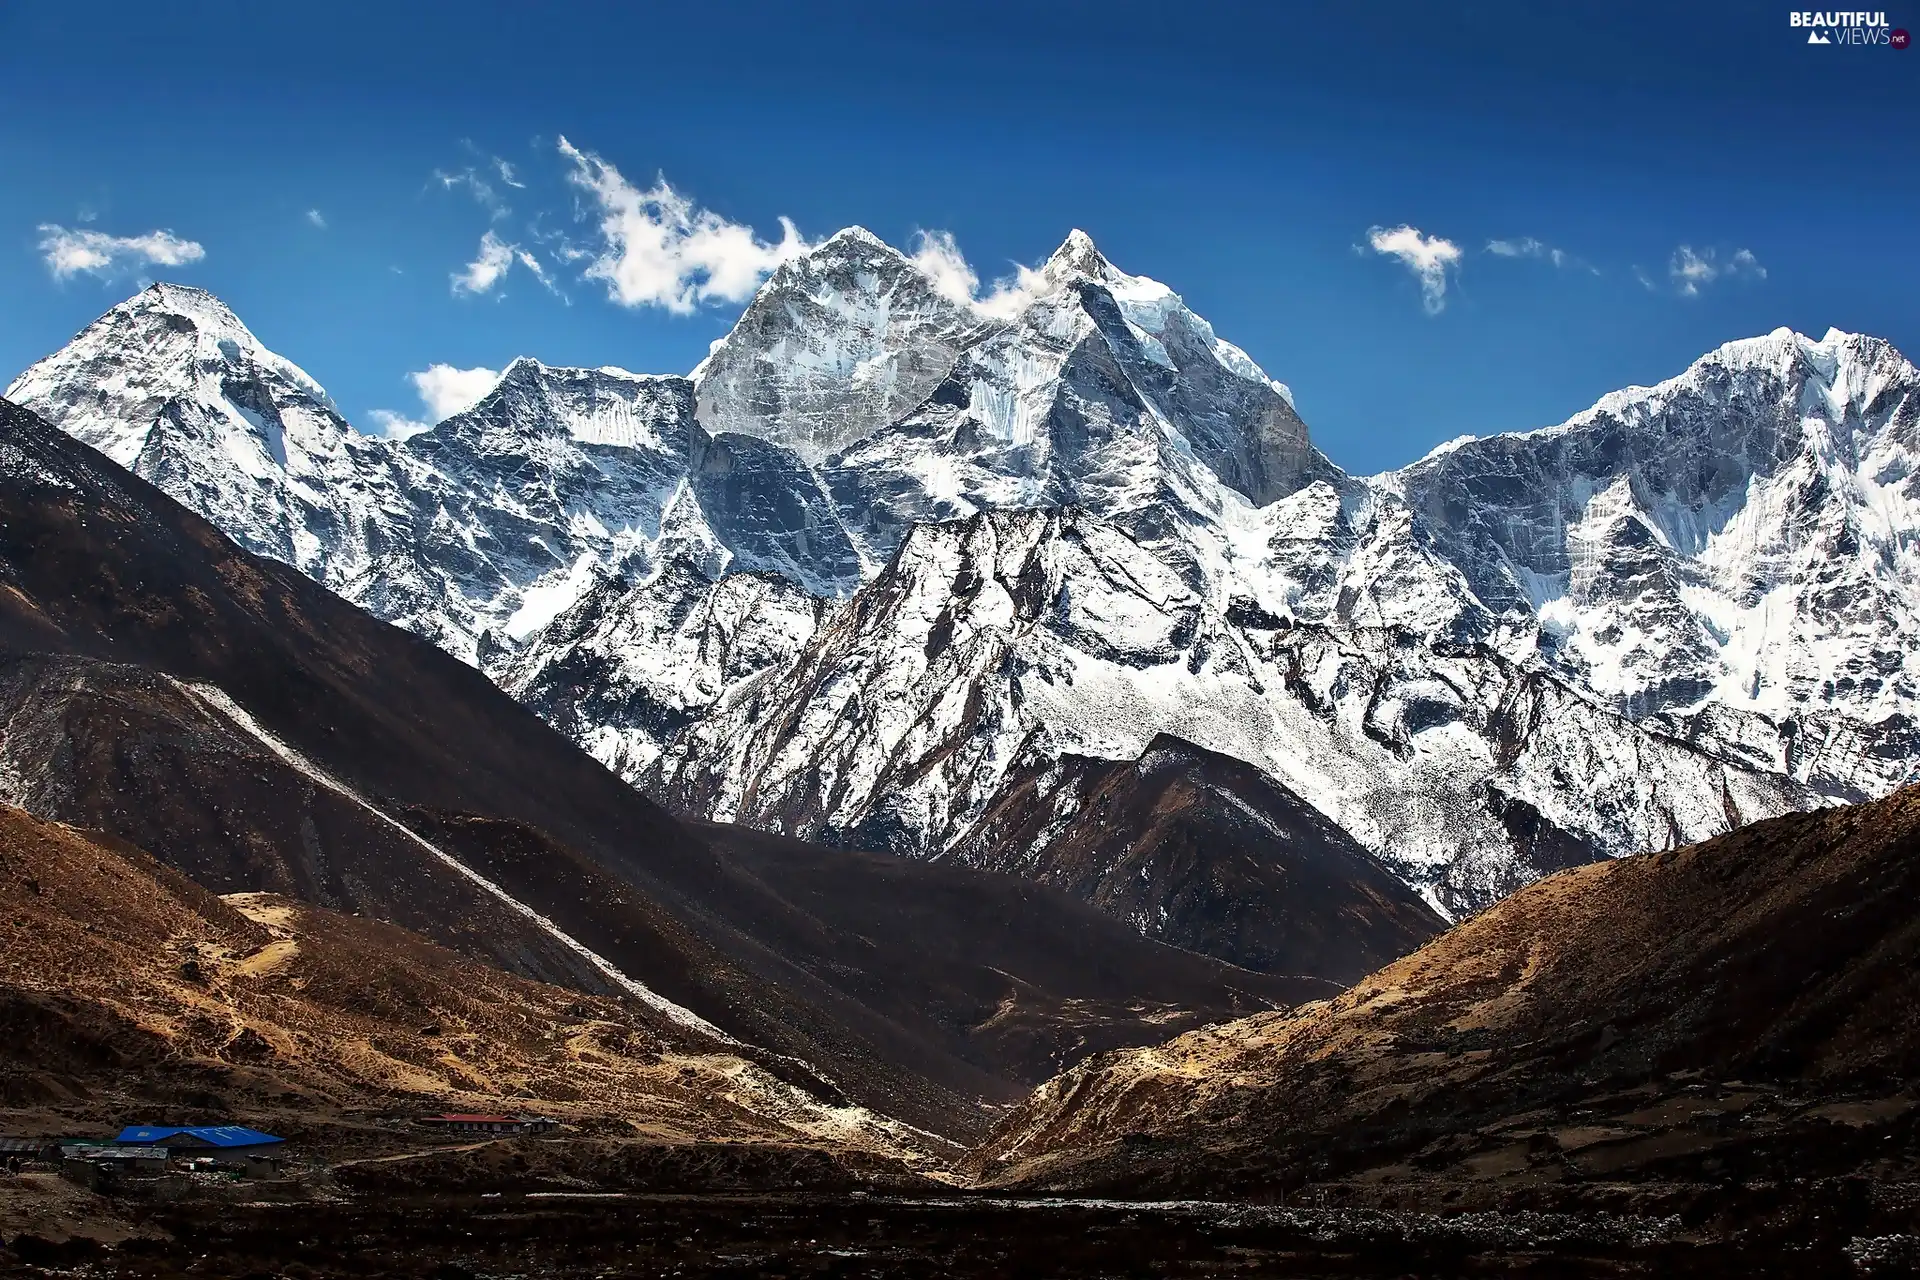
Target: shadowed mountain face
[969,954]
[126,986]
[1743,1009]
[250,728]
[1208,853]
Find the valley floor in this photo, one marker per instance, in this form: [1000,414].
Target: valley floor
[1844,1227]
[1829,1229]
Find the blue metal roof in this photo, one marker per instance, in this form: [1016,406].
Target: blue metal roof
[221,1135]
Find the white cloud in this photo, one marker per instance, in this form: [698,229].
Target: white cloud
[484,272]
[396,426]
[477,179]
[1690,270]
[937,254]
[658,249]
[68,253]
[317,219]
[445,390]
[1011,294]
[1428,257]
[492,262]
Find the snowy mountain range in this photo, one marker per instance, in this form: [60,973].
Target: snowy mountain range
[888,553]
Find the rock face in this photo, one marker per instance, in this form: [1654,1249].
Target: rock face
[1010,638]
[627,667]
[840,343]
[1073,519]
[1738,1011]
[1731,555]
[1205,852]
[1105,392]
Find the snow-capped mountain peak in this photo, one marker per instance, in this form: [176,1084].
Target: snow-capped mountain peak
[173,349]
[1730,553]
[592,406]
[855,238]
[839,342]
[1849,369]
[1077,255]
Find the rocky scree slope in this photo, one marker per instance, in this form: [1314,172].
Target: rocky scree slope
[1738,1010]
[125,984]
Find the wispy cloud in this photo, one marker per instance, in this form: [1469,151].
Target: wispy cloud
[1691,270]
[317,218]
[1539,250]
[1524,247]
[539,272]
[477,179]
[444,391]
[1527,247]
[489,265]
[493,260]
[1429,258]
[475,184]
[938,255]
[657,248]
[67,253]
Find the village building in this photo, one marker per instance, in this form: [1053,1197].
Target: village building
[228,1145]
[491,1125]
[17,1153]
[94,1165]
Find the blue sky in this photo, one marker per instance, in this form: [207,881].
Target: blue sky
[1243,154]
